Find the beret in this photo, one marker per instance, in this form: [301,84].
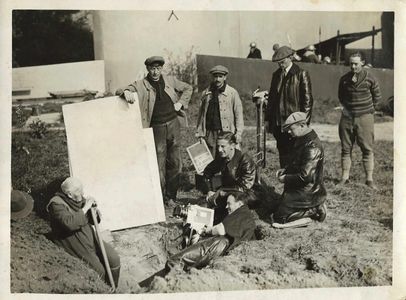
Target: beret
[294,118]
[219,70]
[281,53]
[154,59]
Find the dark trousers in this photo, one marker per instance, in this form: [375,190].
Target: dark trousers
[200,254]
[284,143]
[95,260]
[167,146]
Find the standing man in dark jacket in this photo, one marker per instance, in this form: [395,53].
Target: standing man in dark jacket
[358,93]
[304,193]
[254,51]
[69,213]
[237,226]
[290,91]
[163,110]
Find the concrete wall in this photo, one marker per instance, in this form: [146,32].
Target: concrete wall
[123,39]
[247,74]
[59,77]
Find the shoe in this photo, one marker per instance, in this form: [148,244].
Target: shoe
[343,182]
[371,184]
[321,212]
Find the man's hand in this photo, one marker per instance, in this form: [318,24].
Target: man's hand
[201,139]
[281,178]
[280,172]
[130,97]
[90,201]
[177,106]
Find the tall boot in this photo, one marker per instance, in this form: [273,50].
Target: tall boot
[115,272]
[345,169]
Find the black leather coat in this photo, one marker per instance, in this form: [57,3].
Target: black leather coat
[238,173]
[288,95]
[304,186]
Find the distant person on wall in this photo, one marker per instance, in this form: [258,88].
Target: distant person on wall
[310,55]
[237,171]
[254,51]
[290,91]
[162,100]
[304,193]
[220,110]
[358,93]
[237,226]
[72,230]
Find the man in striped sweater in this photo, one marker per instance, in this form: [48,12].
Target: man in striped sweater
[358,93]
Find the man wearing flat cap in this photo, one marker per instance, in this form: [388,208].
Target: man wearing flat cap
[290,92]
[162,100]
[304,193]
[220,110]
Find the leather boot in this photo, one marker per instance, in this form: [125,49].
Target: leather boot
[115,272]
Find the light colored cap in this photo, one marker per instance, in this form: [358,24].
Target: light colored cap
[294,118]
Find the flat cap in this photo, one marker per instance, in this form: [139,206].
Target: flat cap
[219,70]
[294,118]
[281,53]
[154,59]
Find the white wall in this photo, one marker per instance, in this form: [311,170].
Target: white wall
[59,77]
[123,39]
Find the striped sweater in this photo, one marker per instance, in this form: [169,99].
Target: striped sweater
[361,97]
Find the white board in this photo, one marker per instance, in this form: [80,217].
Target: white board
[115,158]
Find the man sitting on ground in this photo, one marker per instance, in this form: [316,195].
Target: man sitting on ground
[71,229]
[237,173]
[304,193]
[237,226]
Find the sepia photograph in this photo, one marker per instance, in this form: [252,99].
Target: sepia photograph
[180,151]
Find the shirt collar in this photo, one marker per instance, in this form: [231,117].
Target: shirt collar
[288,68]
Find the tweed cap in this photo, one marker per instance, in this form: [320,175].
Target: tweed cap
[219,70]
[154,59]
[294,118]
[21,204]
[281,53]
[311,48]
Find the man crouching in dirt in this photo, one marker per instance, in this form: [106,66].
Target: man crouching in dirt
[304,193]
[69,211]
[237,226]
[237,173]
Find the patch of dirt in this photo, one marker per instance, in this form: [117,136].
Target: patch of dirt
[353,247]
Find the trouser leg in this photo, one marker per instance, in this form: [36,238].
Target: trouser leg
[365,139]
[114,262]
[173,159]
[284,143]
[200,254]
[347,138]
[211,141]
[161,152]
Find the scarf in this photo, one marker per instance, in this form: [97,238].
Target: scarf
[72,203]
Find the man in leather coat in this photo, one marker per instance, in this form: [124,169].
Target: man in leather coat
[290,92]
[304,193]
[237,173]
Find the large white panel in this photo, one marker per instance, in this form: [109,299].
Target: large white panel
[115,159]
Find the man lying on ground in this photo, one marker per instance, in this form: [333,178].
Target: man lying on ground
[304,193]
[237,226]
[72,230]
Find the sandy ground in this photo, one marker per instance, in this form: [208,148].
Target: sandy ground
[353,247]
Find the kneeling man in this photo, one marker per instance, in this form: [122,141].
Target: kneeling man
[72,230]
[304,193]
[237,226]
[237,171]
